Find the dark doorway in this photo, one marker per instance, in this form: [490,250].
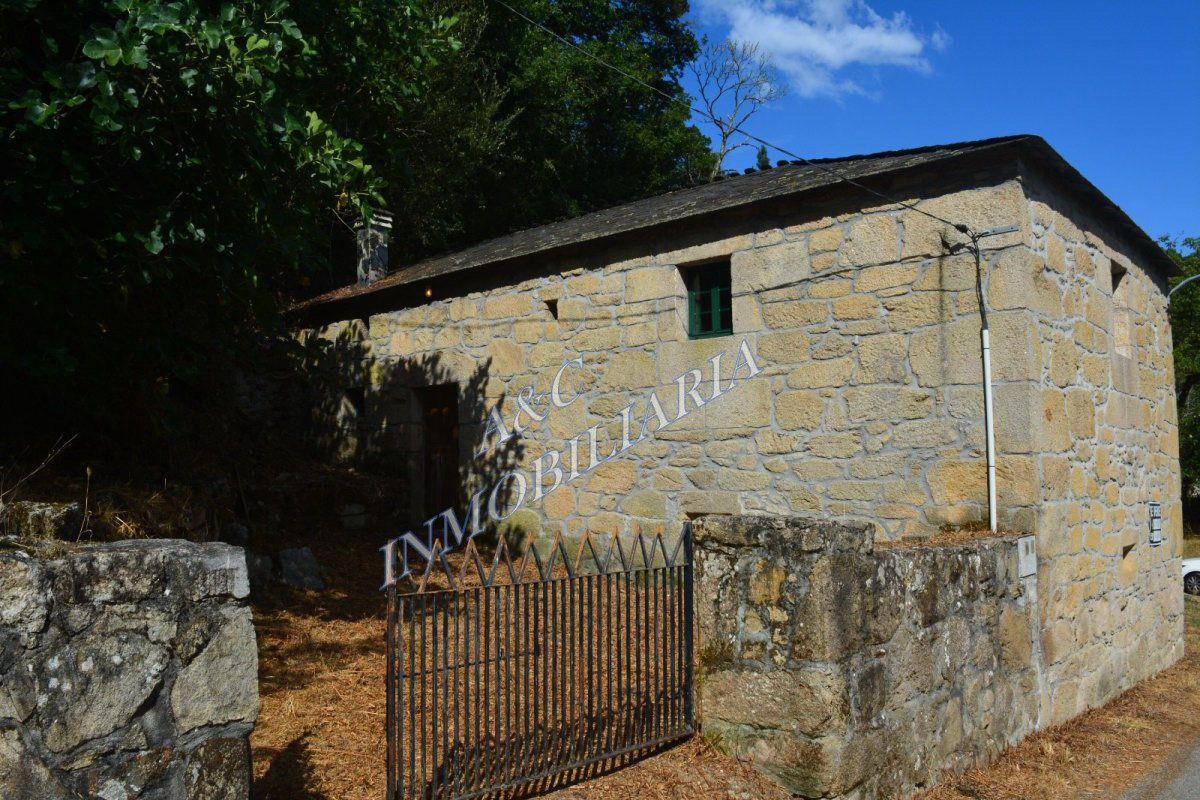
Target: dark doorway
[439,416]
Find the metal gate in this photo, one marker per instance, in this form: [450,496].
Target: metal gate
[519,675]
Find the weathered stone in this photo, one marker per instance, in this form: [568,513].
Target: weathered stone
[24,596]
[219,685]
[873,240]
[816,374]
[508,306]
[218,769]
[95,685]
[23,775]
[856,306]
[783,348]
[799,410]
[827,663]
[613,477]
[650,283]
[35,520]
[770,267]
[630,369]
[794,314]
[645,503]
[872,279]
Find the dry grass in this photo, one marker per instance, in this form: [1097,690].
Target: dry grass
[1191,547]
[1103,752]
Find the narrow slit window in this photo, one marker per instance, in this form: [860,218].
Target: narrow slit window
[710,299]
[552,307]
[1122,330]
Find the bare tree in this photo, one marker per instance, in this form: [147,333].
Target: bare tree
[735,79]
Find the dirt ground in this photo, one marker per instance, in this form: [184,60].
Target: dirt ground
[320,733]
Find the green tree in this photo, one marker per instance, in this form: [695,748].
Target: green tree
[176,170]
[166,173]
[763,159]
[1185,331]
[520,130]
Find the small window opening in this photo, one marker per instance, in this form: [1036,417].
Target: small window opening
[710,299]
[552,307]
[1122,327]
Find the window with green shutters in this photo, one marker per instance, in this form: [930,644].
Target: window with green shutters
[710,300]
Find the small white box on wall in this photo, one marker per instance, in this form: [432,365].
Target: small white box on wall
[1156,537]
[1026,557]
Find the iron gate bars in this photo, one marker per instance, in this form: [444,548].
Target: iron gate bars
[513,678]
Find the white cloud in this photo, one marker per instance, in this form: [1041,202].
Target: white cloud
[812,40]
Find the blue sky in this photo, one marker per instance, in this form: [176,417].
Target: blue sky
[1113,86]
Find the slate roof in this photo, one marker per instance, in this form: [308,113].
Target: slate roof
[740,191]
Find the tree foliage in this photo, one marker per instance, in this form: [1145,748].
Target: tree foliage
[1185,331]
[175,170]
[521,130]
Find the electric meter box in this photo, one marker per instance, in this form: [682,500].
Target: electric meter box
[1156,537]
[1026,557]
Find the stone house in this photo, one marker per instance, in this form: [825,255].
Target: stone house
[864,317]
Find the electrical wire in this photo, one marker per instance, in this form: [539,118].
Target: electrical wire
[961,228]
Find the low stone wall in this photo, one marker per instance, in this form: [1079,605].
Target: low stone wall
[846,672]
[127,670]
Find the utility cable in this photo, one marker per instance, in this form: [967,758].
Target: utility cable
[961,228]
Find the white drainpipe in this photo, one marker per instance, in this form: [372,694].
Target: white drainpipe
[989,422]
[989,414]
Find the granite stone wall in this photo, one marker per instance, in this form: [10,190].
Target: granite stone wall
[127,670]
[868,406]
[845,671]
[1104,439]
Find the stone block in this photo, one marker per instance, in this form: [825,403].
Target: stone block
[794,313]
[887,403]
[646,503]
[613,477]
[882,359]
[652,283]
[830,287]
[764,268]
[693,503]
[799,410]
[916,310]
[855,307]
[811,701]
[220,685]
[948,354]
[873,239]
[817,374]
[505,357]
[783,348]
[872,279]
[507,306]
[629,369]
[748,405]
[826,240]
[834,445]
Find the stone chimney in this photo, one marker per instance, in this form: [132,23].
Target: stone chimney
[373,247]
